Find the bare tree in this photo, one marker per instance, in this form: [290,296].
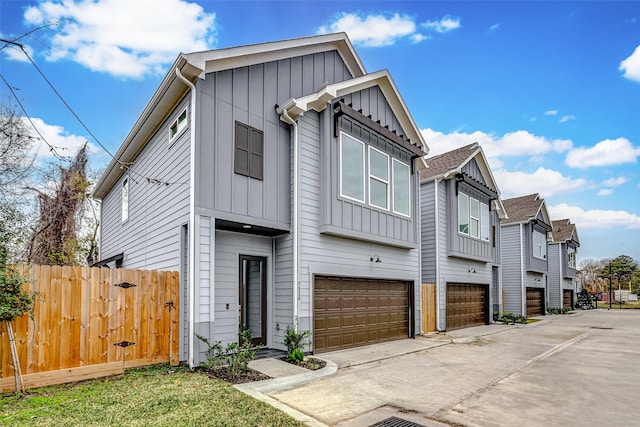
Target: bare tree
[16,154]
[55,239]
[589,276]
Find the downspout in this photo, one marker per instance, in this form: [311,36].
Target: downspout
[437,221]
[192,222]
[294,220]
[523,290]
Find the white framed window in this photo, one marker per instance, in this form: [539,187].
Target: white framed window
[571,258]
[351,168]
[539,244]
[473,217]
[125,199]
[401,188]
[378,179]
[178,125]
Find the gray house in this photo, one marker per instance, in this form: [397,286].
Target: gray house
[563,249]
[460,236]
[524,251]
[281,181]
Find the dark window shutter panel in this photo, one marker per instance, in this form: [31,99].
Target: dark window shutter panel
[241,158]
[256,159]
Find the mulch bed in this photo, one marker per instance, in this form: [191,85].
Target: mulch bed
[310,363]
[222,373]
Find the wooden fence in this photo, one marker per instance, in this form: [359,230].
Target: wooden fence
[92,322]
[428,307]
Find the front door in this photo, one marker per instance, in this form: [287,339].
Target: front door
[253,297]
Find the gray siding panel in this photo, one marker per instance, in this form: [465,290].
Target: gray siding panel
[512,286]
[150,239]
[322,254]
[554,278]
[250,95]
[428,232]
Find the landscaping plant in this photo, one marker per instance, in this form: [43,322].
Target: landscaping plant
[295,341]
[235,356]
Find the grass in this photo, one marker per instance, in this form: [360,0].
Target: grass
[156,396]
[626,305]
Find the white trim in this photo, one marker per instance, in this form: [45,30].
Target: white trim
[180,125]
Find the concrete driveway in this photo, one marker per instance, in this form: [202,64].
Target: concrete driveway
[579,369]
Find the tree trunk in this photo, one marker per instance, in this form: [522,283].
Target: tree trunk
[14,355]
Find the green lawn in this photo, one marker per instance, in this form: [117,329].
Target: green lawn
[628,305]
[156,396]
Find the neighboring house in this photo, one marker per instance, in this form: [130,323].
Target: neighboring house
[460,209]
[524,250]
[563,249]
[281,181]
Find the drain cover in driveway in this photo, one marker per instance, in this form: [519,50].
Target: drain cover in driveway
[395,422]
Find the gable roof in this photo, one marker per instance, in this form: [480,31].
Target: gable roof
[448,165]
[524,209]
[318,101]
[197,64]
[564,231]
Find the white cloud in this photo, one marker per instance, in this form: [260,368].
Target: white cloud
[631,66]
[604,153]
[443,25]
[547,182]
[595,218]
[551,112]
[494,27]
[65,144]
[372,30]
[129,40]
[566,118]
[615,182]
[605,192]
[518,143]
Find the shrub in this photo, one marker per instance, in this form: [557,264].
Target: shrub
[236,356]
[558,310]
[295,341]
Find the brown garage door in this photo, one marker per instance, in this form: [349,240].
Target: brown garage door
[351,312]
[567,298]
[466,305]
[535,302]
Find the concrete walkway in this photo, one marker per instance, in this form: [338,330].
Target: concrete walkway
[286,376]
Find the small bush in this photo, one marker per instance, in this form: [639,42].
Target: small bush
[558,310]
[295,341]
[236,356]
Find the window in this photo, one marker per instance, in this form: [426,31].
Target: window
[473,217]
[125,199]
[351,168]
[389,180]
[539,244]
[401,188]
[249,146]
[378,179]
[571,258]
[177,125]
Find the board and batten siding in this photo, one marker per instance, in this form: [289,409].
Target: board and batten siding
[326,254]
[554,279]
[512,275]
[150,239]
[250,95]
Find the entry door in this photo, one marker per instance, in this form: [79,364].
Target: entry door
[253,297]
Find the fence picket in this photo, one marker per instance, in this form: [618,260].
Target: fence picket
[80,315]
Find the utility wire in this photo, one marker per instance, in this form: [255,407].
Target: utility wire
[123,165]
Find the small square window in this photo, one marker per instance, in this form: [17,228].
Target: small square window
[249,151]
[125,199]
[178,124]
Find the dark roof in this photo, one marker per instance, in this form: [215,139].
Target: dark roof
[442,163]
[563,230]
[522,209]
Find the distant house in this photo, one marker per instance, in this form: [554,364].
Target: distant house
[563,249]
[460,236]
[281,181]
[524,249]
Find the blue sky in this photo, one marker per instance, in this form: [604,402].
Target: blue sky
[551,90]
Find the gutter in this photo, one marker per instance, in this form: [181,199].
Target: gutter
[192,221]
[285,117]
[523,287]
[437,221]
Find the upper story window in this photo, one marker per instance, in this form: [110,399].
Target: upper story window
[571,258]
[539,244]
[388,180]
[473,217]
[178,125]
[249,151]
[125,199]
